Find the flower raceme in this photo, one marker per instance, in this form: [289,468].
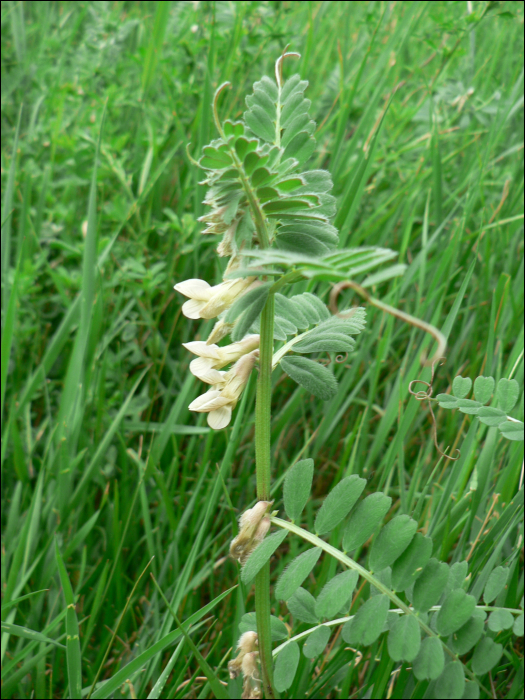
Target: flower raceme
[220,401]
[211,357]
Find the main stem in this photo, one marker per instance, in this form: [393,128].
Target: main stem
[263,470]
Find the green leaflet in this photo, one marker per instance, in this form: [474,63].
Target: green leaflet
[338,503]
[409,566]
[495,583]
[336,594]
[248,623]
[486,656]
[392,541]
[246,309]
[316,642]
[468,634]
[404,639]
[451,683]
[512,431]
[430,661]
[297,486]
[261,555]
[365,519]
[368,623]
[430,585]
[296,572]
[302,606]
[315,378]
[483,388]
[461,386]
[507,393]
[518,625]
[456,609]
[286,666]
[500,620]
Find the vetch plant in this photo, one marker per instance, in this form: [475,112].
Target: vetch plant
[275,222]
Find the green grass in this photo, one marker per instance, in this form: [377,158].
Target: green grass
[106,476]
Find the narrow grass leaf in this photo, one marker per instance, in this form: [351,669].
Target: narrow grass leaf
[486,655]
[336,594]
[338,503]
[392,541]
[296,572]
[364,520]
[286,666]
[261,555]
[316,642]
[457,607]
[73,655]
[404,639]
[495,583]
[451,683]
[368,623]
[27,633]
[430,661]
[297,487]
[411,563]
[302,606]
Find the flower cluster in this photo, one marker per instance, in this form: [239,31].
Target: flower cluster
[226,387]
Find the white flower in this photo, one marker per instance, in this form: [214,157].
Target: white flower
[209,302]
[220,401]
[212,357]
[220,330]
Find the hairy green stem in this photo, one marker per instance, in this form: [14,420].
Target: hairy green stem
[263,470]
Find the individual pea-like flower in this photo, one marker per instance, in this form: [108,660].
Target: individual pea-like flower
[219,402]
[219,331]
[251,688]
[246,644]
[212,357]
[206,301]
[254,524]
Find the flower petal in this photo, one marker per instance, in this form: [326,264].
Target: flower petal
[203,369]
[220,418]
[200,348]
[195,289]
[192,308]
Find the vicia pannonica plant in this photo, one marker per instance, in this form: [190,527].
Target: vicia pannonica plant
[273,218]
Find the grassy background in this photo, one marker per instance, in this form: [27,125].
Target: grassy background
[103,467]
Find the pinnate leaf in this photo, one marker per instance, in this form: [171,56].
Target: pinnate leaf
[297,486]
[483,388]
[316,642]
[457,607]
[261,554]
[430,661]
[507,393]
[296,572]
[495,583]
[368,622]
[365,519]
[302,606]
[286,666]
[336,594]
[392,541]
[461,386]
[315,378]
[404,639]
[338,503]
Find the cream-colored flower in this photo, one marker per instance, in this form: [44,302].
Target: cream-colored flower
[212,357]
[219,331]
[220,401]
[253,527]
[208,302]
